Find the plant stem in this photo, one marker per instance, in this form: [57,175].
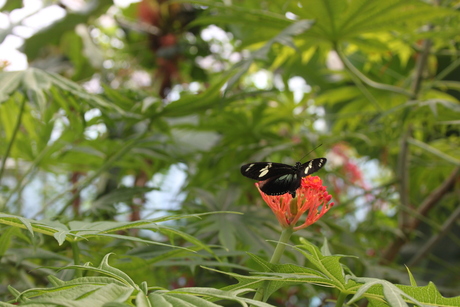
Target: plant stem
[420,68]
[76,257]
[403,178]
[279,250]
[340,299]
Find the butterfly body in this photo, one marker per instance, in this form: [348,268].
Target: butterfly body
[278,178]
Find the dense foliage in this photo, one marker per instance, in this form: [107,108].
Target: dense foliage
[121,147]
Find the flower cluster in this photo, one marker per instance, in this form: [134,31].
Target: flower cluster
[312,198]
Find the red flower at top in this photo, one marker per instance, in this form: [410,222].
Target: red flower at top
[312,198]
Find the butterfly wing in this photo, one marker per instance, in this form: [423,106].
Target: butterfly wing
[311,166]
[281,184]
[264,170]
[279,178]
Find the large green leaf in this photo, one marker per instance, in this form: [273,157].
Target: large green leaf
[81,295]
[188,297]
[78,230]
[37,85]
[338,20]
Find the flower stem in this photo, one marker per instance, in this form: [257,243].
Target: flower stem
[279,250]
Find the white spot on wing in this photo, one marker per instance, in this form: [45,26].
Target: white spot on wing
[264,171]
[249,167]
[308,167]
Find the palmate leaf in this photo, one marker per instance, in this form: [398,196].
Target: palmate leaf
[289,274]
[376,290]
[267,21]
[252,25]
[86,294]
[329,265]
[191,297]
[105,269]
[84,291]
[279,275]
[18,221]
[383,293]
[393,295]
[329,272]
[44,96]
[167,299]
[79,230]
[338,20]
[38,85]
[114,287]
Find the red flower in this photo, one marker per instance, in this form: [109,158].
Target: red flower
[312,198]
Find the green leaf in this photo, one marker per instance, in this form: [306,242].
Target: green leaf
[413,282]
[17,221]
[37,84]
[105,269]
[114,304]
[340,20]
[330,266]
[190,297]
[393,295]
[399,295]
[281,275]
[120,275]
[84,280]
[143,301]
[83,295]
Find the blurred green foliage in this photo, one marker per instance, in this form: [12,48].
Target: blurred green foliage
[117,97]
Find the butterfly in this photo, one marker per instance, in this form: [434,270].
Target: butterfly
[279,178]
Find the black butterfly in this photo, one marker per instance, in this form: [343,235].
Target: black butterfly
[279,178]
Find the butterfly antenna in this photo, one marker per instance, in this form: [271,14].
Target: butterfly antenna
[311,151]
